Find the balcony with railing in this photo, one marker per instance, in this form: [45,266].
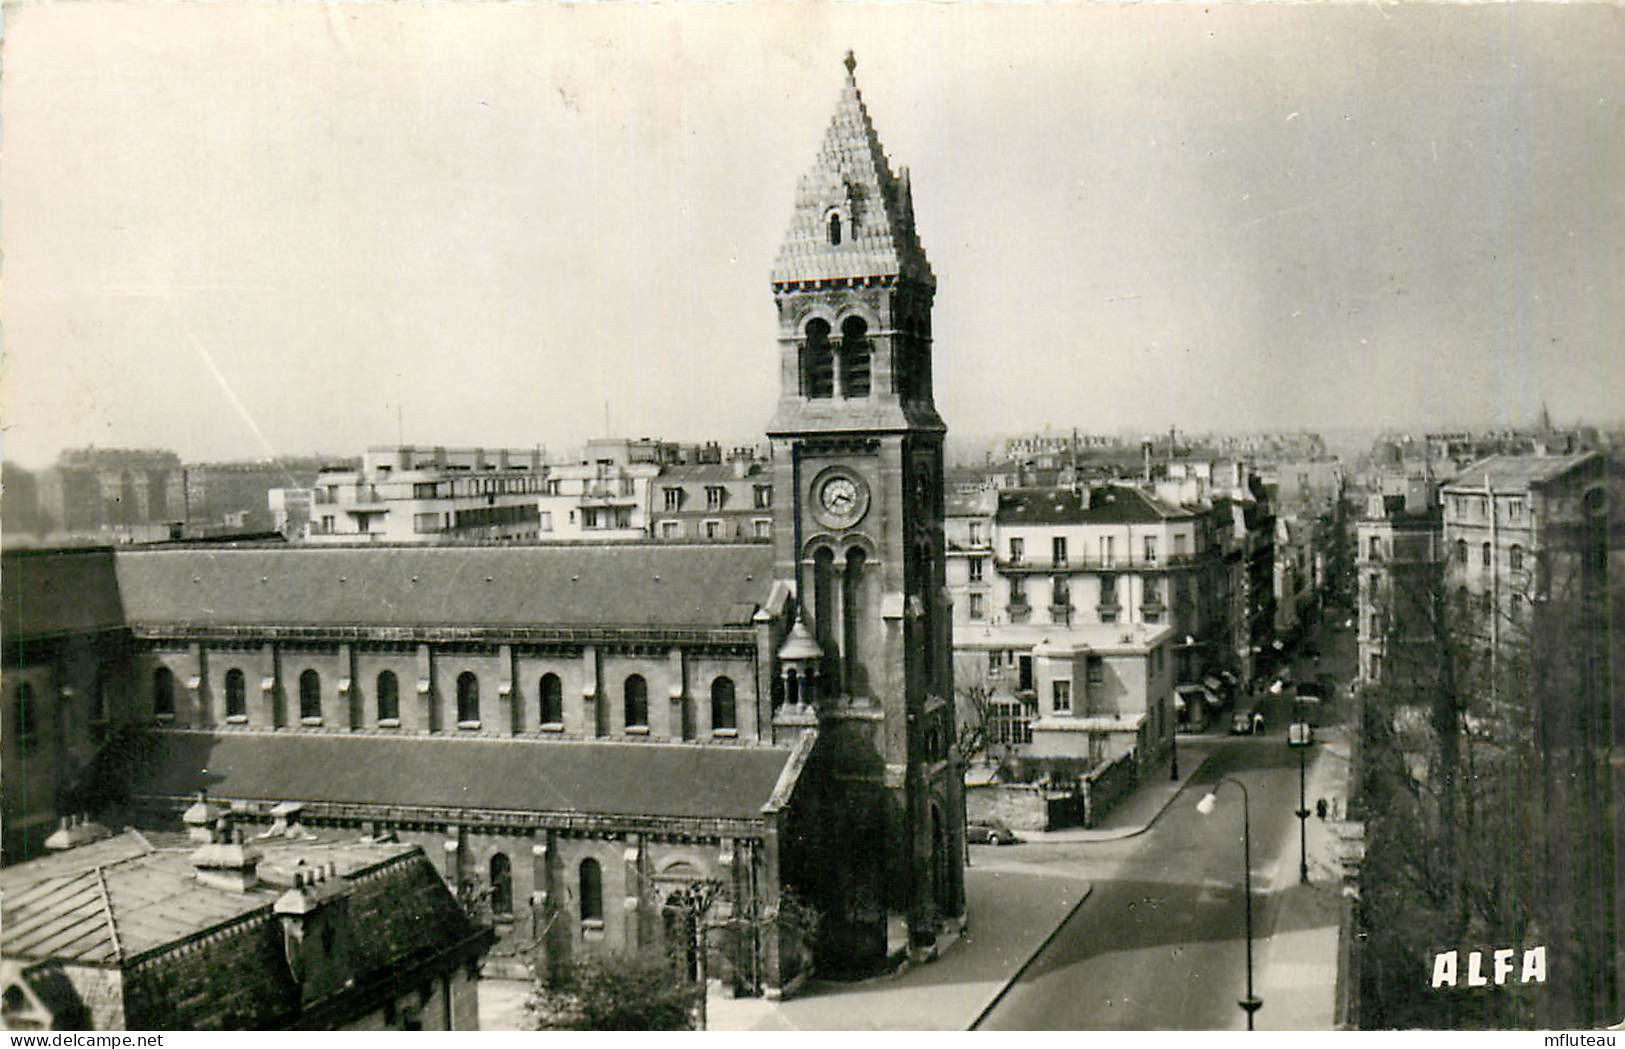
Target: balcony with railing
[1115,563]
[608,494]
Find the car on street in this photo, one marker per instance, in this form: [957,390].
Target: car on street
[1245,719]
[990,832]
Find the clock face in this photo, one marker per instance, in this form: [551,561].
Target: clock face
[840,498]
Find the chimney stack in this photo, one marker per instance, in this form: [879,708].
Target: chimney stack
[226,862]
[199,819]
[75,830]
[316,930]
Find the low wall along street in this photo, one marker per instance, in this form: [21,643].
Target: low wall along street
[1102,788]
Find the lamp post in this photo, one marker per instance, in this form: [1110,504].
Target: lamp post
[1298,739]
[1251,1003]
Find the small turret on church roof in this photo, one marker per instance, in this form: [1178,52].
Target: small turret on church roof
[853,218]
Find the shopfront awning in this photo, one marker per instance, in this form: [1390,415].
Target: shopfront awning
[1194,694]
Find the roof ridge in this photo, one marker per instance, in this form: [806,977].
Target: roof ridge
[442,737]
[107,912]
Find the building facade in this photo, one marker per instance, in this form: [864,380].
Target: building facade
[405,493]
[1497,513]
[1398,556]
[714,502]
[111,490]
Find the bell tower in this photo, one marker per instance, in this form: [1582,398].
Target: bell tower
[869,659]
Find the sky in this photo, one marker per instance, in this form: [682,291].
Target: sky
[241,230]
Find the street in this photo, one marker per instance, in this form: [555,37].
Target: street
[1160,943]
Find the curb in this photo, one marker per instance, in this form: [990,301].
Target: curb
[1049,938]
[1134,832]
[1285,864]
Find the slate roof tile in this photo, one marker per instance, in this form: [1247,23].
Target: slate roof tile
[623,585]
[586,777]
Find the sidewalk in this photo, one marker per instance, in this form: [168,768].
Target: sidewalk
[1013,914]
[1135,814]
[1015,908]
[1297,975]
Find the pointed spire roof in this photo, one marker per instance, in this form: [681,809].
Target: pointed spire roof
[852,182]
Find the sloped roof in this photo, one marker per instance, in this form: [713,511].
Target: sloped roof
[1110,504]
[48,593]
[852,172]
[1515,472]
[147,904]
[970,504]
[713,473]
[631,585]
[128,898]
[522,775]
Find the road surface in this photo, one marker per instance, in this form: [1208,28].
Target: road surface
[1160,944]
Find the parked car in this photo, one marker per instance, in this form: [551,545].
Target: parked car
[1244,719]
[990,832]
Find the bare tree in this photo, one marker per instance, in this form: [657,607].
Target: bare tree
[1480,778]
[973,720]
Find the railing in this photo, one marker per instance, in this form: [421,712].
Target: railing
[1123,563]
[608,495]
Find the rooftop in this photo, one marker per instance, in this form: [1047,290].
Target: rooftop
[1515,472]
[124,897]
[970,504]
[1105,505]
[60,592]
[714,473]
[586,777]
[50,593]
[144,910]
[630,585]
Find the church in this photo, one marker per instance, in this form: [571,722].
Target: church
[578,732]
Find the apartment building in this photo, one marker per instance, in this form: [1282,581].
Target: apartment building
[418,494]
[1074,696]
[716,502]
[1397,559]
[968,528]
[1498,514]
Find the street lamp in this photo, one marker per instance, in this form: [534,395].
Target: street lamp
[1252,1003]
[1173,768]
[1298,738]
